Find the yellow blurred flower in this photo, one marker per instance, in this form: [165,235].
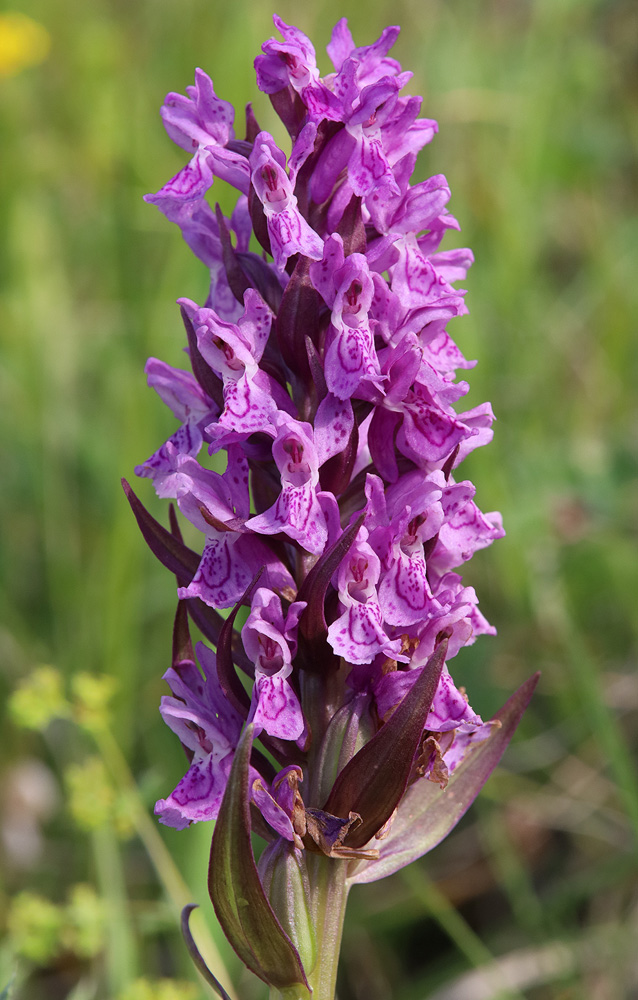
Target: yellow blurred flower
[92,692]
[39,698]
[160,989]
[23,42]
[34,925]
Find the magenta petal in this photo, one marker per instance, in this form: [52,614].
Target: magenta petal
[298,513]
[333,426]
[358,635]
[289,234]
[404,592]
[276,708]
[221,577]
[198,795]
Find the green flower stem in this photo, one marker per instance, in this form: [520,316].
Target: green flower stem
[328,898]
[329,895]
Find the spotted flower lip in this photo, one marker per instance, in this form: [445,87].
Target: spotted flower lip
[322,366]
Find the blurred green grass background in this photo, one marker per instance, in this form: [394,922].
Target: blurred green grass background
[537,102]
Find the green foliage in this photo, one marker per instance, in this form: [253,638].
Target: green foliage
[159,989]
[91,796]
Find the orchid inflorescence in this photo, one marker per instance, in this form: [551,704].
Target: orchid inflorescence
[322,367]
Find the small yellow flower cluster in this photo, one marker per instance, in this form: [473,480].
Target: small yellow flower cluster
[39,929]
[23,42]
[40,698]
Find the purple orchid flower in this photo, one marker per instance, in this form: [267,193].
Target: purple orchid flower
[327,719]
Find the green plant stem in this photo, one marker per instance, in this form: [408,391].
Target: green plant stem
[328,898]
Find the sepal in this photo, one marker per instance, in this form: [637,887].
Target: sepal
[242,907]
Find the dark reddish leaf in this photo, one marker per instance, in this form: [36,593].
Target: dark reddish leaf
[170,551]
[336,473]
[182,645]
[168,547]
[252,125]
[316,369]
[298,317]
[258,219]
[237,280]
[261,277]
[290,108]
[228,679]
[373,783]
[312,624]
[351,228]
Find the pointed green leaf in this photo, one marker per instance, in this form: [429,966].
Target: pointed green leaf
[428,813]
[196,955]
[247,918]
[373,783]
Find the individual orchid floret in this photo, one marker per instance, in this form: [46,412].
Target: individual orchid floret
[297,511]
[371,60]
[270,642]
[465,531]
[288,230]
[202,121]
[292,63]
[358,634]
[399,524]
[218,505]
[346,286]
[208,727]
[356,152]
[411,209]
[189,403]
[233,350]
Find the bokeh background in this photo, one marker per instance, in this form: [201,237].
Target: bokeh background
[535,894]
